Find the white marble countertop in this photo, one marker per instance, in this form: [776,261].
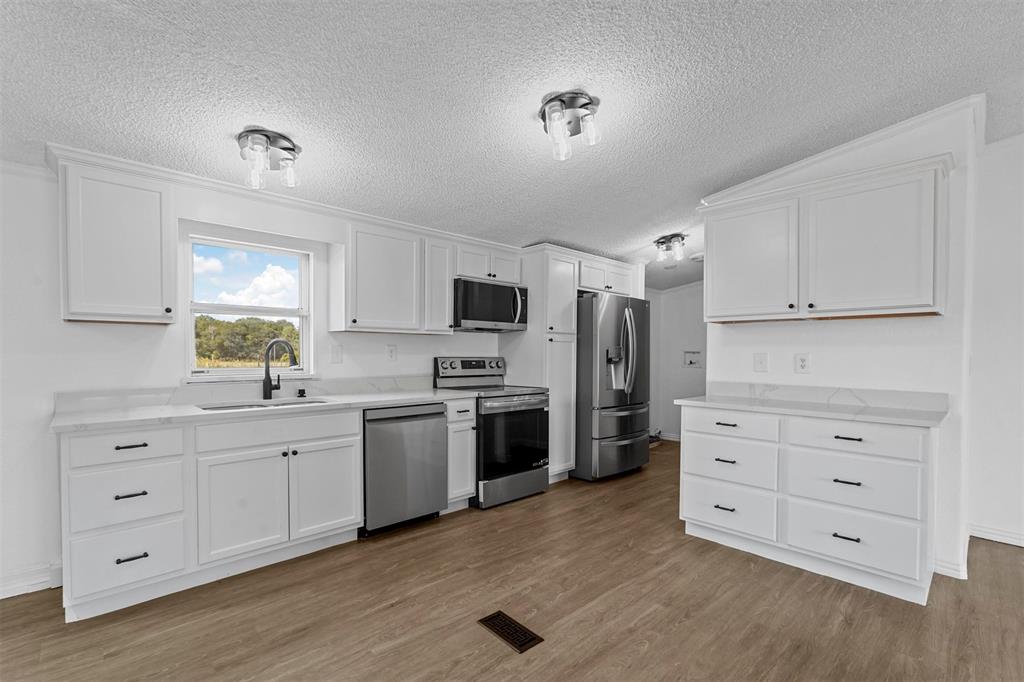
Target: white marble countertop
[149,415]
[865,413]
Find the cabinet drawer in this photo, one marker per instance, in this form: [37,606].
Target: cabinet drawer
[886,544]
[123,447]
[103,498]
[732,423]
[887,440]
[461,410]
[144,552]
[731,459]
[890,487]
[728,506]
[272,429]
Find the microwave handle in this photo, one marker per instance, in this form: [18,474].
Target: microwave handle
[517,305]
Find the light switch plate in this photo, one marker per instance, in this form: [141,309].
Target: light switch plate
[391,352]
[337,353]
[802,363]
[760,362]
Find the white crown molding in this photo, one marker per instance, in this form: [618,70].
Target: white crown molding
[688,285]
[943,162]
[56,154]
[973,103]
[25,170]
[546,247]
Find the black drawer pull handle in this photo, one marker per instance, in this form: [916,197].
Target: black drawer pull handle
[725,424]
[728,509]
[462,411]
[726,461]
[131,495]
[839,480]
[144,555]
[131,447]
[843,537]
[858,440]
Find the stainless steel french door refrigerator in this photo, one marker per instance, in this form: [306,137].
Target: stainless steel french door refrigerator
[613,379]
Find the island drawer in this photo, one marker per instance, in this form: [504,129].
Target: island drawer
[271,429]
[127,446]
[731,459]
[461,410]
[885,544]
[732,423]
[109,496]
[729,506]
[887,440]
[102,562]
[875,484]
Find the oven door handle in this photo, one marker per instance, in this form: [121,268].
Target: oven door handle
[625,441]
[512,406]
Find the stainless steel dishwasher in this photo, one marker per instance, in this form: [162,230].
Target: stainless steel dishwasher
[405,463]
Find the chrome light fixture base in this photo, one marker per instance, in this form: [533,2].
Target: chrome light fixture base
[280,146]
[576,103]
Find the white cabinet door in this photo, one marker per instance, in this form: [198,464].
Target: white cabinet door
[560,362]
[619,280]
[870,246]
[243,502]
[750,266]
[120,246]
[385,279]
[592,276]
[461,461]
[325,485]
[561,294]
[506,266]
[439,269]
[474,261]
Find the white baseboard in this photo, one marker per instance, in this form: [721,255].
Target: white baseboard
[674,437]
[29,580]
[1008,537]
[950,568]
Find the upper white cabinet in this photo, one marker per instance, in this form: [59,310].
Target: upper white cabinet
[384,280]
[868,243]
[439,272]
[603,276]
[561,294]
[497,265]
[118,246]
[750,261]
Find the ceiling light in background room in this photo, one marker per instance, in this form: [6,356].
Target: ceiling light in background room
[266,150]
[568,114]
[671,244]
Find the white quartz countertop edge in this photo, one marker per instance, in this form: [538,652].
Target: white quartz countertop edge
[155,415]
[859,413]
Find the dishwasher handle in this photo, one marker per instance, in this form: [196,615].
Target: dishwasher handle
[404,411]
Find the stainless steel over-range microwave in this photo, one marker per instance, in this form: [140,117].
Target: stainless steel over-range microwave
[489,307]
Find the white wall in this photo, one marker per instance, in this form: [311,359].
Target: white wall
[40,354]
[677,325]
[996,499]
[914,354]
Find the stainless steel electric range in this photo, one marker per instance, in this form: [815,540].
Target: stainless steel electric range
[511,428]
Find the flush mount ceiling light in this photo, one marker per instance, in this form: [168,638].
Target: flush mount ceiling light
[568,114]
[266,150]
[670,244]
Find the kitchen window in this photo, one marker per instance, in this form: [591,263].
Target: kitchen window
[241,297]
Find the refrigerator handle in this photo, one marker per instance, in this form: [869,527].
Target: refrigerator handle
[631,376]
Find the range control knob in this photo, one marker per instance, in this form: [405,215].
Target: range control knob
[444,364]
[490,363]
[499,364]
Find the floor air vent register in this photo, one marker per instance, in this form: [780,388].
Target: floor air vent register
[511,631]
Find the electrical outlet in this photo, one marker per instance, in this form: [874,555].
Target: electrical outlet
[760,362]
[391,352]
[802,363]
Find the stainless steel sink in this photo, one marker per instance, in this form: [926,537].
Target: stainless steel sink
[285,402]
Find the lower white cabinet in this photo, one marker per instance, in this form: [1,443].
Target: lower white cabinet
[461,460]
[560,366]
[325,487]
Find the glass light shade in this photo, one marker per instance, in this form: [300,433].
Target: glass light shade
[662,254]
[588,126]
[289,177]
[677,249]
[554,116]
[254,179]
[561,149]
[257,152]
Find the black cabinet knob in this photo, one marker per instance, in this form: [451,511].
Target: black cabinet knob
[551,329]
[284,454]
[551,340]
[353,320]
[791,306]
[167,310]
[295,452]
[451,326]
[810,305]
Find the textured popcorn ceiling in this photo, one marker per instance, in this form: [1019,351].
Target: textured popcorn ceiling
[424,111]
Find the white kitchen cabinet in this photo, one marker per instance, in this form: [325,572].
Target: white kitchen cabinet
[461,460]
[601,276]
[384,280]
[750,262]
[870,246]
[243,502]
[325,486]
[561,294]
[439,273]
[496,265]
[560,367]
[119,246]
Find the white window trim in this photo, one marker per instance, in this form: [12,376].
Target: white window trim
[305,369]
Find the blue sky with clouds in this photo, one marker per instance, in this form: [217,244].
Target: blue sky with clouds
[244,277]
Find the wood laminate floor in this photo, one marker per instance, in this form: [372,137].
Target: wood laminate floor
[601,571]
